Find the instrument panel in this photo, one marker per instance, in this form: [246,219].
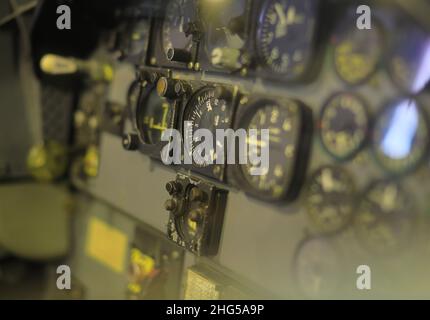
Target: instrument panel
[346,115]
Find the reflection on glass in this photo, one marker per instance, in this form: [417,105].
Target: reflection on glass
[401,130]
[423,74]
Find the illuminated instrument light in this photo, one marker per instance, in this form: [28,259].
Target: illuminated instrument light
[423,76]
[399,137]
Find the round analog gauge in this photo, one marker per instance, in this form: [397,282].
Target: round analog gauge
[330,199]
[153,116]
[225,25]
[344,125]
[357,53]
[283,123]
[409,62]
[208,109]
[179,13]
[385,219]
[317,269]
[401,136]
[285,35]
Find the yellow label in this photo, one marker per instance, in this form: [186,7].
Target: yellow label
[106,244]
[199,287]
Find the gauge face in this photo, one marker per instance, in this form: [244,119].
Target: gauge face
[386,218]
[401,137]
[225,24]
[179,13]
[357,53]
[284,125]
[317,269]
[344,125]
[285,34]
[153,117]
[330,199]
[206,110]
[409,63]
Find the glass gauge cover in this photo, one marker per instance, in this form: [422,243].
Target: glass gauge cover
[208,109]
[285,35]
[385,221]
[153,116]
[344,125]
[401,136]
[409,62]
[225,24]
[317,269]
[330,199]
[179,13]
[356,52]
[284,122]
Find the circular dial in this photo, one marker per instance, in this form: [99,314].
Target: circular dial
[225,24]
[401,136]
[208,109]
[285,34]
[283,123]
[409,63]
[330,199]
[317,269]
[356,52]
[179,13]
[385,219]
[153,116]
[344,125]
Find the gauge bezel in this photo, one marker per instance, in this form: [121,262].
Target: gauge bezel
[353,153]
[374,143]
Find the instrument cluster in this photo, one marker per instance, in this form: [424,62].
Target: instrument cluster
[346,109]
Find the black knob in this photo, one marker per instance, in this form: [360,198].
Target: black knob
[178,55]
[130,142]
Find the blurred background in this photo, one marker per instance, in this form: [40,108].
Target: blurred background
[83,107]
